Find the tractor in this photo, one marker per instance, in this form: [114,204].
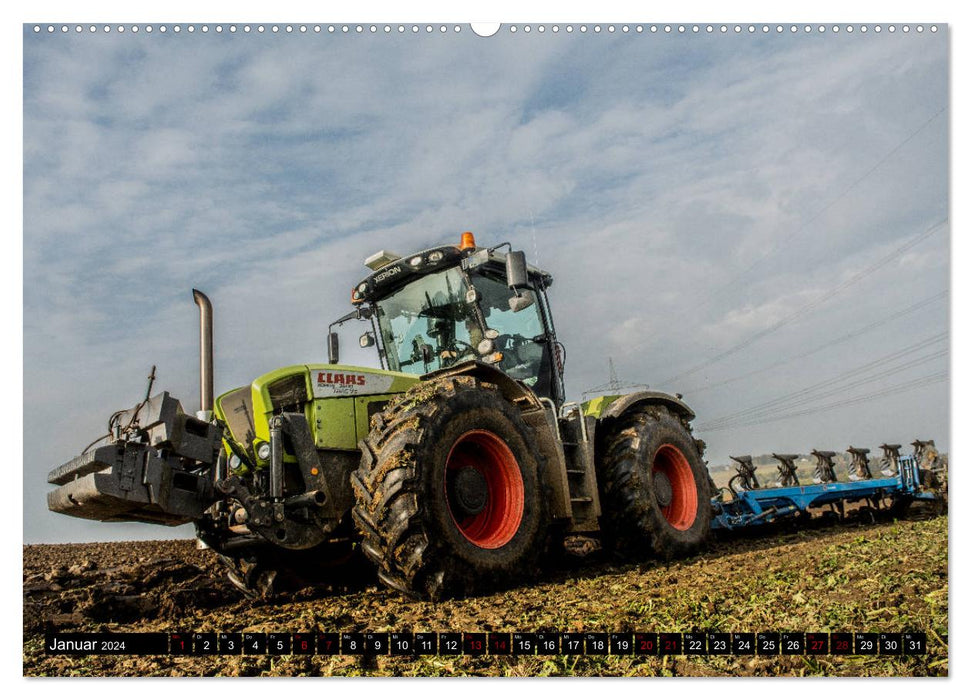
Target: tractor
[455,467]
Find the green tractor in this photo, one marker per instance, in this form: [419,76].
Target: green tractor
[455,467]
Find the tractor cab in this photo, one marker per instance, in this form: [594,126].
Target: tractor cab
[451,304]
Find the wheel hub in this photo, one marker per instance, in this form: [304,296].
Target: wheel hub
[470,490]
[484,489]
[663,493]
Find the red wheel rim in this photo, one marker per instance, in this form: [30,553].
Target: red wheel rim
[491,457]
[683,508]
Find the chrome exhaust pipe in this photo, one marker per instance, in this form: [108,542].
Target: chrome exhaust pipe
[205,350]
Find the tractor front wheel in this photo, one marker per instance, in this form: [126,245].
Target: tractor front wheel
[265,570]
[449,492]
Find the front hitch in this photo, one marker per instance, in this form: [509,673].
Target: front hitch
[160,471]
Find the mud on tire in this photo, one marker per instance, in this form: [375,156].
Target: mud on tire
[655,489]
[449,493]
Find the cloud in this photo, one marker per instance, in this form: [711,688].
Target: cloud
[645,172]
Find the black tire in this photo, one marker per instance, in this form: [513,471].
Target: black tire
[409,466]
[264,570]
[899,505]
[827,518]
[248,575]
[642,516]
[866,515]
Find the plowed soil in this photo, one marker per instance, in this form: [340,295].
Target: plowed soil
[885,577]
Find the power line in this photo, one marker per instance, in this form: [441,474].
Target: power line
[896,389]
[813,395]
[848,374]
[836,341]
[810,306]
[811,392]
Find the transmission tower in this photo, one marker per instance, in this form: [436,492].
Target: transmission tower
[613,385]
[613,382]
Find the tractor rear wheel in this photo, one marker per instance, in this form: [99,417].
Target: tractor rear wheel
[655,489]
[449,492]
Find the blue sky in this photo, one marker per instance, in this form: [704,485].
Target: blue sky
[646,171]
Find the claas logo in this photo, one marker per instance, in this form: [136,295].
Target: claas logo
[339,378]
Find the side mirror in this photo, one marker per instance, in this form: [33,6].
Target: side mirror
[333,348]
[516,269]
[521,301]
[367,340]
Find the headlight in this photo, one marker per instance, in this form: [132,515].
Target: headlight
[234,462]
[263,450]
[415,261]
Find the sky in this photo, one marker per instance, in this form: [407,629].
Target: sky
[758,221]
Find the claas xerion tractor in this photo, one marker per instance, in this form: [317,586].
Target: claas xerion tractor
[457,466]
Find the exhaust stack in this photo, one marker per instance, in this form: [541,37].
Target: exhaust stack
[205,351]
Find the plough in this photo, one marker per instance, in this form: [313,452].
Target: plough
[904,479]
[787,470]
[861,464]
[825,470]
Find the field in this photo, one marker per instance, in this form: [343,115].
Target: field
[884,577]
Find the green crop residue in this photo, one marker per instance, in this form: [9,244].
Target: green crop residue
[888,577]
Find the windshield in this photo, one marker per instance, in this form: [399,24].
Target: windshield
[429,324]
[432,323]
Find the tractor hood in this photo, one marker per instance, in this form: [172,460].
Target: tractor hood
[337,400]
[294,385]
